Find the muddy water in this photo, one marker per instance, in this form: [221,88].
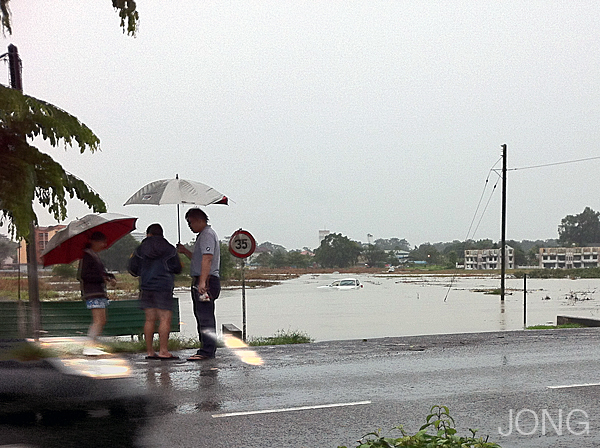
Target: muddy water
[398,306]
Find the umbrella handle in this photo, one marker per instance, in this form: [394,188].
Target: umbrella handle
[178,226]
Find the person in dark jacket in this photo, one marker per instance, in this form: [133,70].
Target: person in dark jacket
[93,277]
[156,262]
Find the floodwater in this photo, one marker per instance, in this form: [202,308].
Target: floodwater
[398,305]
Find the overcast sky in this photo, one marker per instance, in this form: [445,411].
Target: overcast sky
[360,117]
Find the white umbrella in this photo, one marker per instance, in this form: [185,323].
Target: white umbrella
[177,191]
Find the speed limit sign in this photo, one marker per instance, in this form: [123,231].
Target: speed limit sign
[242,244]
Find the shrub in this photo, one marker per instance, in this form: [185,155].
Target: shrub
[64,271]
[445,436]
[281,338]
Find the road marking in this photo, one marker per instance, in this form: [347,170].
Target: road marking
[300,408]
[573,385]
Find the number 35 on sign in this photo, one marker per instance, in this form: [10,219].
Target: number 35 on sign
[242,244]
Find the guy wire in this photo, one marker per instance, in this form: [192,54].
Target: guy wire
[473,220]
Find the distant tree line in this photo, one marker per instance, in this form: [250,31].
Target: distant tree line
[338,251]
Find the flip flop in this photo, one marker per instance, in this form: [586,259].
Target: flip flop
[199,357]
[163,358]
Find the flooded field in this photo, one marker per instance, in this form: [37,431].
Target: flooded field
[399,305]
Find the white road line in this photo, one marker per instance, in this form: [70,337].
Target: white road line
[573,385]
[300,408]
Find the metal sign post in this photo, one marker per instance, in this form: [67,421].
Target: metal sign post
[241,245]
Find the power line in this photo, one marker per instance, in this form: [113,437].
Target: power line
[552,164]
[495,170]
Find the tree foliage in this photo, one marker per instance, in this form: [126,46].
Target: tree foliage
[126,9]
[376,257]
[128,14]
[116,257]
[337,251]
[27,174]
[8,248]
[263,259]
[580,230]
[280,258]
[228,262]
[392,244]
[65,271]
[426,252]
[297,259]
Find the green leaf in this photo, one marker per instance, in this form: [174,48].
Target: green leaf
[27,174]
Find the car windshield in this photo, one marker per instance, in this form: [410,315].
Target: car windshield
[347,283]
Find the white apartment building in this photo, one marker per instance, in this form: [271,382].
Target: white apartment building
[488,258]
[568,257]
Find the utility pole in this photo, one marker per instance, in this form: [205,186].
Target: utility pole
[503,243]
[14,64]
[16,82]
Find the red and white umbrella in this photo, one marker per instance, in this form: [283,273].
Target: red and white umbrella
[68,244]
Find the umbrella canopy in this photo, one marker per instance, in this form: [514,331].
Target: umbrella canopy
[177,191]
[68,244]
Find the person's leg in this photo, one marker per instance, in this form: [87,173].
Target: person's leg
[196,310]
[207,323]
[149,325]
[205,315]
[164,328]
[214,287]
[98,322]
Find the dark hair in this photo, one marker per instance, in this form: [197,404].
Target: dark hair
[196,213]
[154,230]
[97,236]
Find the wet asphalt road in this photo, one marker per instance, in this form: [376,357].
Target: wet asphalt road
[331,393]
[382,383]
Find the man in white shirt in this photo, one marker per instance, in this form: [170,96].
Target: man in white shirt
[206,284]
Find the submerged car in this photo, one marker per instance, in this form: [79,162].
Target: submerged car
[347,283]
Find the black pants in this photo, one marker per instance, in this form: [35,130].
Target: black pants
[205,316]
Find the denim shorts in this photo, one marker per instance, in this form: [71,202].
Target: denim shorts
[98,302]
[161,300]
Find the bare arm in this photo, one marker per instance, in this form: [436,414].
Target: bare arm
[184,250]
[203,283]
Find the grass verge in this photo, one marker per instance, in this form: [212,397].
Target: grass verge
[281,338]
[139,345]
[554,327]
[24,351]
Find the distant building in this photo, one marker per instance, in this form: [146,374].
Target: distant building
[401,255]
[568,257]
[42,236]
[488,258]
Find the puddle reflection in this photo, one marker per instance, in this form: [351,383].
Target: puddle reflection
[158,377]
